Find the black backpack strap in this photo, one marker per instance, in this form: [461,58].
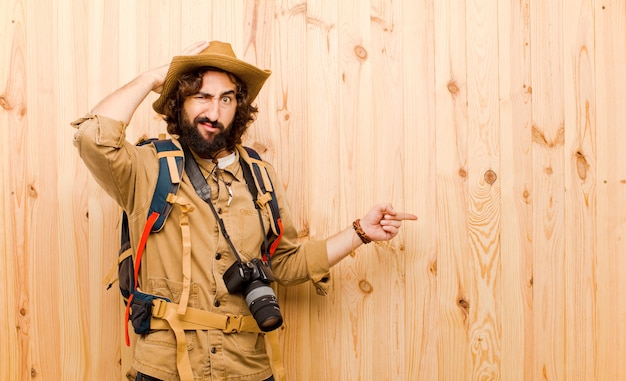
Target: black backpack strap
[262,190]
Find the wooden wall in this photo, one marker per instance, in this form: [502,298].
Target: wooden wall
[499,123]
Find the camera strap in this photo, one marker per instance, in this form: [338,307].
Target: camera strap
[204,192]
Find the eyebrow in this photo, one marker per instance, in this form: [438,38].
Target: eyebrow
[229,92]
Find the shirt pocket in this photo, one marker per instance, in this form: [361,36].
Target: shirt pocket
[173,291]
[248,343]
[250,231]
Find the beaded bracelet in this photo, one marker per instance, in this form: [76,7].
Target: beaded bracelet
[359,231]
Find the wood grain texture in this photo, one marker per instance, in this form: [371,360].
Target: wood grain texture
[416,25]
[516,259]
[454,262]
[610,68]
[15,319]
[500,124]
[351,276]
[484,213]
[580,183]
[548,190]
[325,205]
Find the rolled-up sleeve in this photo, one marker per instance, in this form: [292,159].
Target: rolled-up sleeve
[102,145]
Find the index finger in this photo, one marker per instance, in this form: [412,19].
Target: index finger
[404,216]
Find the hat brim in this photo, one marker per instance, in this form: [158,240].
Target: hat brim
[252,76]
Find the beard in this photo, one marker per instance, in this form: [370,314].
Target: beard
[191,136]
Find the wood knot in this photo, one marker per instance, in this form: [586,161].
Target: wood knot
[32,191]
[581,165]
[4,103]
[548,171]
[464,304]
[462,172]
[284,115]
[526,196]
[366,286]
[490,177]
[453,88]
[433,268]
[360,52]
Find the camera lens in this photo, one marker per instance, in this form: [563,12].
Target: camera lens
[263,305]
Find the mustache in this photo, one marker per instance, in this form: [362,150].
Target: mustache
[206,120]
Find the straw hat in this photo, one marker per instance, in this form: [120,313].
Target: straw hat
[219,55]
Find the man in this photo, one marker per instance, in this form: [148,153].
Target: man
[206,99]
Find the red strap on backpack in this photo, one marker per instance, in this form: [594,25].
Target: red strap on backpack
[142,244]
[274,244]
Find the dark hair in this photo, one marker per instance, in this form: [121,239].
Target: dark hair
[190,84]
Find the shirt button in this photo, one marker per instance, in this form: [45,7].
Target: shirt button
[213,350]
[217,303]
[219,210]
[218,256]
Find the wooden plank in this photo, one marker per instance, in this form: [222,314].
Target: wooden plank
[389,172]
[356,139]
[516,186]
[39,172]
[325,169]
[15,317]
[454,280]
[74,267]
[548,185]
[580,179]
[610,79]
[416,24]
[483,163]
[292,155]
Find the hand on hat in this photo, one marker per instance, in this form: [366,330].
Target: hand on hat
[160,72]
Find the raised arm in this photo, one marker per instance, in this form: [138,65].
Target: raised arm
[122,103]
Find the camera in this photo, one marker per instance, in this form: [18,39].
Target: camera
[252,279]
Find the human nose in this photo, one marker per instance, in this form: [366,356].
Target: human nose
[212,110]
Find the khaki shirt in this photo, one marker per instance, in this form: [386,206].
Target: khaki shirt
[128,173]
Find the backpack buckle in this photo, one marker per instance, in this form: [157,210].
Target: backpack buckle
[159,306]
[233,323]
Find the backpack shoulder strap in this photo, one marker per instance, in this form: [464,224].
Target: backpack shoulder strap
[171,164]
[262,190]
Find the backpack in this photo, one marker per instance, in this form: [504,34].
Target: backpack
[171,165]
